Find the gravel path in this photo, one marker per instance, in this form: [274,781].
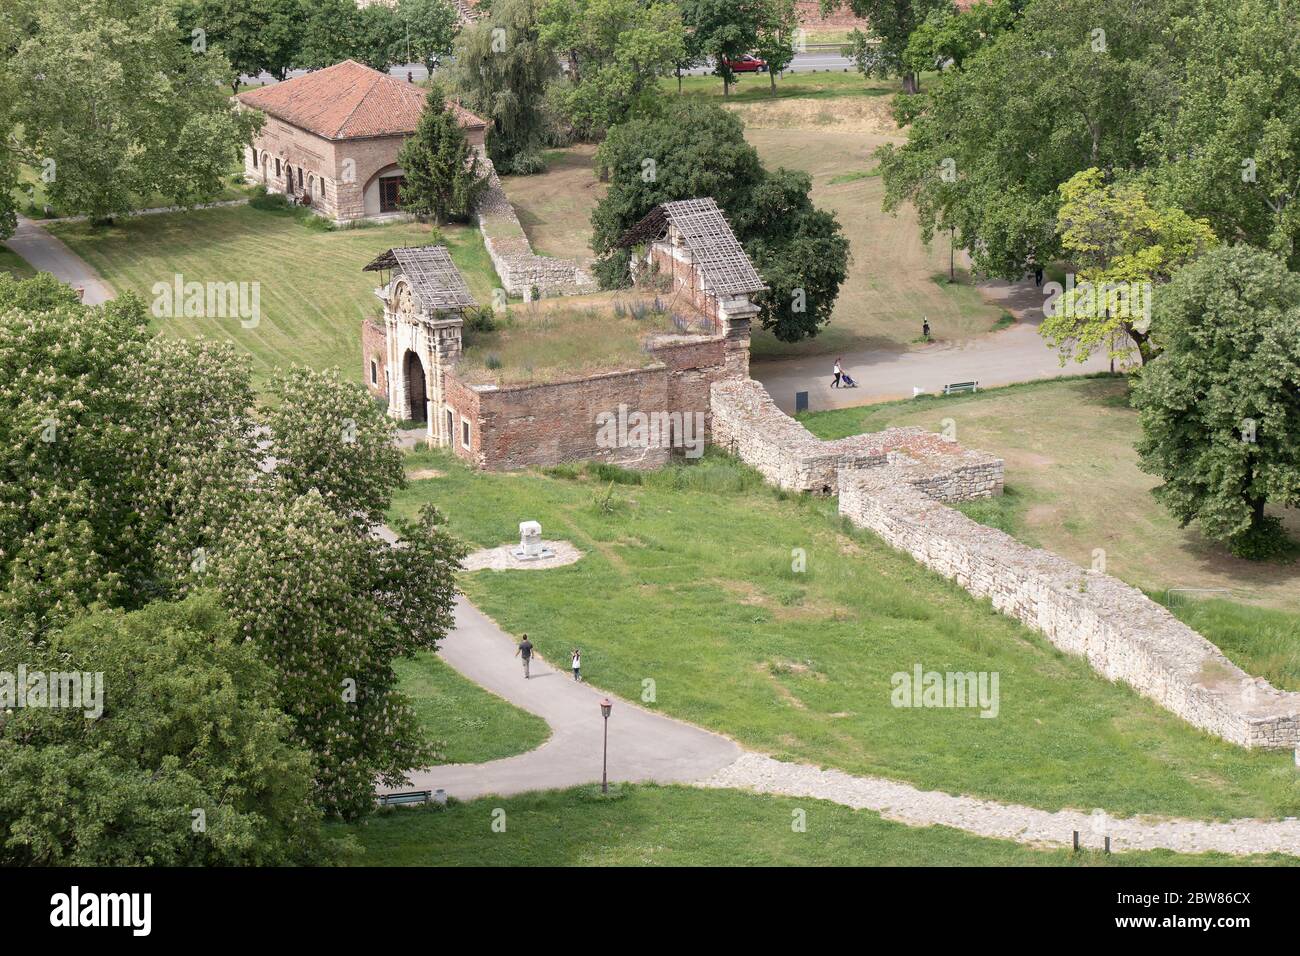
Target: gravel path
[906,804]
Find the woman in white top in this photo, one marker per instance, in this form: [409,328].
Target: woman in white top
[838,372]
[577,664]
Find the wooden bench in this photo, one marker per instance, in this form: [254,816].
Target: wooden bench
[956,387]
[404,799]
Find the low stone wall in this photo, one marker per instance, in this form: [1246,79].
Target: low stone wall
[1123,634]
[747,423]
[519,268]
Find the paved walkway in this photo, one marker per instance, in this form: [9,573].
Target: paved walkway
[643,746]
[47,254]
[1015,354]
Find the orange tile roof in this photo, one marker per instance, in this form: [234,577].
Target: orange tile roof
[348,101]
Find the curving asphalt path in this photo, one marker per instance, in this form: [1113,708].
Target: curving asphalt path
[643,746]
[47,254]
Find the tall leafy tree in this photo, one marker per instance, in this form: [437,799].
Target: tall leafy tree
[722,30]
[691,149]
[431,27]
[190,762]
[131,471]
[380,38]
[255,36]
[1220,407]
[443,174]
[1072,86]
[1231,150]
[615,52]
[133,113]
[329,34]
[1123,248]
[881,52]
[501,73]
[776,37]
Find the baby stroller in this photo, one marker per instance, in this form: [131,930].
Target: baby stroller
[846,381]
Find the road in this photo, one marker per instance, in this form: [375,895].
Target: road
[1015,354]
[819,60]
[47,254]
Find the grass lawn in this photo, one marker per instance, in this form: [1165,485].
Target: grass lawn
[555,207]
[313,292]
[687,580]
[556,340]
[467,723]
[682,826]
[14,264]
[1074,485]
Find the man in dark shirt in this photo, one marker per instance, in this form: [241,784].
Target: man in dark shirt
[525,650]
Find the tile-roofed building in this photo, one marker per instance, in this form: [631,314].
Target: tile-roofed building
[332,137]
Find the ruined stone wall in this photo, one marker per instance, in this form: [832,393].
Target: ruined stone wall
[747,423]
[519,268]
[1123,634]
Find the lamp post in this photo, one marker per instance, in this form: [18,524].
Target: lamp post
[605,708]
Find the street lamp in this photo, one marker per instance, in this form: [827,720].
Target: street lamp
[605,708]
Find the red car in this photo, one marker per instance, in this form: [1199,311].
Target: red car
[746,64]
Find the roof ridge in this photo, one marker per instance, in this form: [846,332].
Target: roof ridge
[343,124]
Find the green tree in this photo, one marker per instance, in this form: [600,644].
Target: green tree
[951,36]
[131,470]
[776,37]
[615,51]
[380,37]
[1220,407]
[190,762]
[1073,85]
[329,34]
[253,35]
[1123,248]
[330,607]
[892,22]
[328,437]
[431,27]
[501,73]
[692,148]
[1231,150]
[723,30]
[138,115]
[443,173]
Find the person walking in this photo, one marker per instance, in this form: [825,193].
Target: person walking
[577,664]
[1038,276]
[525,650]
[839,373]
[925,329]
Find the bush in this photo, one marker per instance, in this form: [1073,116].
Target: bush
[1262,541]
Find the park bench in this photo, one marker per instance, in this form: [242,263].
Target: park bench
[403,799]
[956,387]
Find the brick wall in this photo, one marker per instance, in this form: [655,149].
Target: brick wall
[1124,635]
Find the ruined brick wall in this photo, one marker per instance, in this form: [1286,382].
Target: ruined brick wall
[374,341]
[465,405]
[544,425]
[1123,634]
[675,266]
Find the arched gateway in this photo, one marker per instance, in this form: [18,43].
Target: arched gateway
[425,298]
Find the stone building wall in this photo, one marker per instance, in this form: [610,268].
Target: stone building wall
[1123,634]
[374,348]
